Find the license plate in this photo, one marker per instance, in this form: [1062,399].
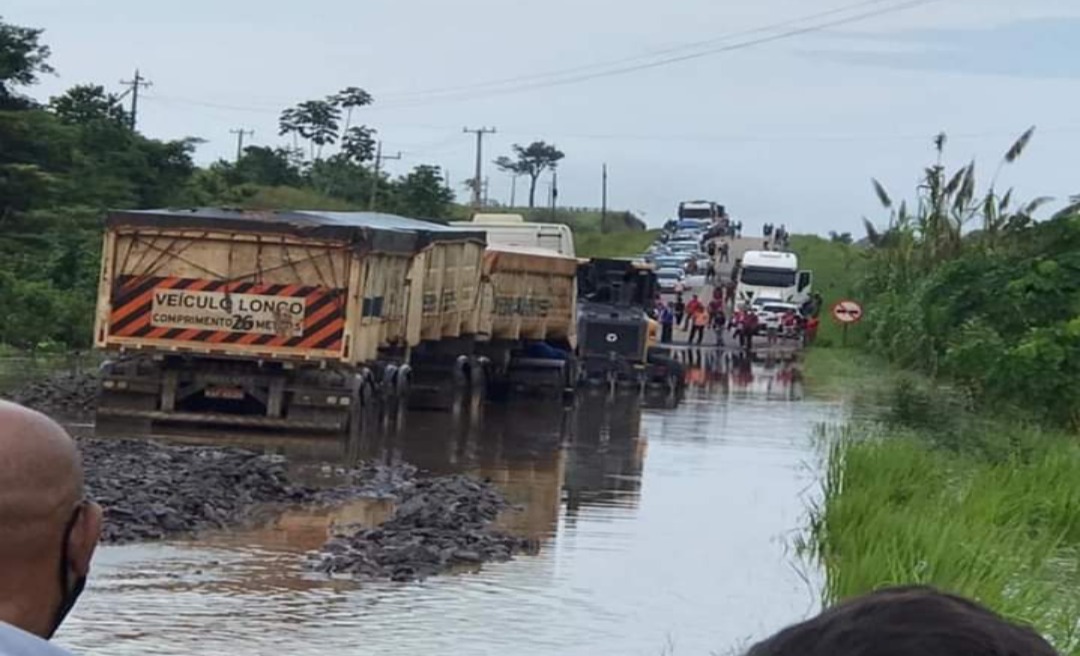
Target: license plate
[226,393]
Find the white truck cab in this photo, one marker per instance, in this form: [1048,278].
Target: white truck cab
[773,275]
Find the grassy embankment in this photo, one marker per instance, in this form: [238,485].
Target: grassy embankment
[933,489]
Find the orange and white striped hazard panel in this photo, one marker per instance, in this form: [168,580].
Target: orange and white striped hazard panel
[219,312]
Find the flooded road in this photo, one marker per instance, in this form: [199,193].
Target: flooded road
[659,529]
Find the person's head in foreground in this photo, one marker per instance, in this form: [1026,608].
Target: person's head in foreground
[912,621]
[48,531]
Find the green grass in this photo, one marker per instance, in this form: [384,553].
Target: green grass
[837,269]
[836,372]
[618,244]
[932,493]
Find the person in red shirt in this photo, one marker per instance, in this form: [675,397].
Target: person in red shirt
[691,309]
[812,325]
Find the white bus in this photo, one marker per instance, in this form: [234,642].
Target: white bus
[513,230]
[772,275]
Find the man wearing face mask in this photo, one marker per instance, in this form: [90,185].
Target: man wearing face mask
[48,531]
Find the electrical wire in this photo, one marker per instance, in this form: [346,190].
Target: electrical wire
[787,34]
[626,60]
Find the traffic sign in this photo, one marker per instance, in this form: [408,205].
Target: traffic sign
[847,312]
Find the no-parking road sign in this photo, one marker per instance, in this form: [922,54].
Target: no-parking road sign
[847,312]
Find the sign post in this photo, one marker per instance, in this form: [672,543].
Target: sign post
[847,312]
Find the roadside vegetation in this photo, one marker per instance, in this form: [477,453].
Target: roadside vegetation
[66,161]
[963,468]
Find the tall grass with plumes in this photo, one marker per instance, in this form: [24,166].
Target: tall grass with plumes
[934,494]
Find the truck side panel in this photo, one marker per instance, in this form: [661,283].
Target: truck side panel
[451,290]
[532,296]
[223,293]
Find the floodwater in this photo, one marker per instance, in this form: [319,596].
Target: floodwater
[662,530]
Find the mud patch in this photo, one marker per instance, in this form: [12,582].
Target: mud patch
[69,394]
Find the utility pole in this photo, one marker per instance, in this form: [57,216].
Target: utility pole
[513,189]
[603,202]
[554,192]
[240,134]
[478,178]
[139,82]
[487,186]
[379,159]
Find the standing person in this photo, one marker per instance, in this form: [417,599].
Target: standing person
[699,321]
[812,325]
[680,309]
[711,249]
[666,317]
[819,304]
[716,315]
[48,530]
[738,229]
[725,252]
[710,273]
[750,325]
[691,309]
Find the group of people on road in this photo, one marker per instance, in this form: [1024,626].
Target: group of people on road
[776,237]
[744,321]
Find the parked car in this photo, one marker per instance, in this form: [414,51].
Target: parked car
[671,280]
[671,262]
[689,246]
[771,313]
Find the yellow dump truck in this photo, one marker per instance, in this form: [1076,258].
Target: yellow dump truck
[301,320]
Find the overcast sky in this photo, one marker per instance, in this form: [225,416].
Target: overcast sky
[788,131]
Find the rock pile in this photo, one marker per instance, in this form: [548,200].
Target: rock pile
[439,524]
[152,491]
[69,393]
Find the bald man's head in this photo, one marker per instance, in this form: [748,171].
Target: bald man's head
[47,533]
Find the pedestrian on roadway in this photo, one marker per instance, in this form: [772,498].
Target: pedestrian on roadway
[692,307]
[699,321]
[680,309]
[48,531]
[667,322]
[725,252]
[710,272]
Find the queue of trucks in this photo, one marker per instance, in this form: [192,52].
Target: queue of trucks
[315,320]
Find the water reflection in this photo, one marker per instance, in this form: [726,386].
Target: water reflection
[655,524]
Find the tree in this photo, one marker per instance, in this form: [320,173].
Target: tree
[350,98]
[315,121]
[87,103]
[22,59]
[262,165]
[358,144]
[423,193]
[531,161]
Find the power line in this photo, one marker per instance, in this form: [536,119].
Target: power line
[622,66]
[787,34]
[134,85]
[644,56]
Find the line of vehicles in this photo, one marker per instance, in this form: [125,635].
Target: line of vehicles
[313,321]
[768,282]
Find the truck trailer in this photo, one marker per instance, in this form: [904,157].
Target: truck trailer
[298,320]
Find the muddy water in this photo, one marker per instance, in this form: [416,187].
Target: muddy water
[661,529]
